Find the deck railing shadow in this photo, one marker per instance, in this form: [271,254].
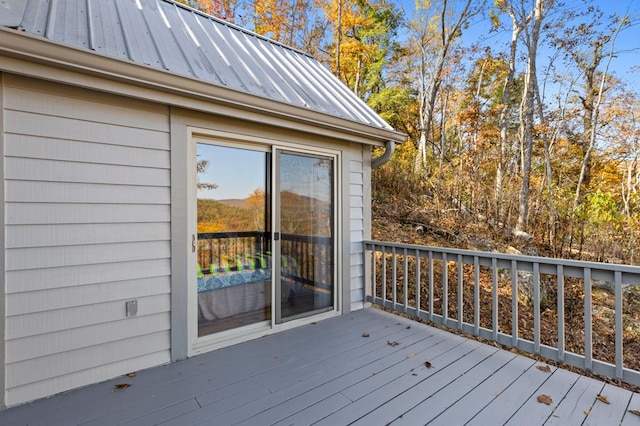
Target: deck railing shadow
[578,313]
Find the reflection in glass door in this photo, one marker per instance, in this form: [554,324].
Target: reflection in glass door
[306,224]
[233,242]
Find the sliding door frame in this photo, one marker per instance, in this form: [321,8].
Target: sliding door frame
[197,345]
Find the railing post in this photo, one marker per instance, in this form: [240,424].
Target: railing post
[618,320]
[430,285]
[394,276]
[476,295]
[560,290]
[406,280]
[514,303]
[536,307]
[373,272]
[383,282]
[445,288]
[494,297]
[588,337]
[460,292]
[418,282]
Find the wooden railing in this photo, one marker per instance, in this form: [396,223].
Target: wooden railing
[311,257]
[579,313]
[232,251]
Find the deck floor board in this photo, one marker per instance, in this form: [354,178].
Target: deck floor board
[629,417]
[556,388]
[523,389]
[440,389]
[329,373]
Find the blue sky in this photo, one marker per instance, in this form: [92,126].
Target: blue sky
[626,64]
[237,172]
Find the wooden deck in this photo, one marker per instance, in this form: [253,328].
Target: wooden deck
[330,374]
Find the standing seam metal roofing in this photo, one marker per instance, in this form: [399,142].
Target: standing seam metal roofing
[169,36]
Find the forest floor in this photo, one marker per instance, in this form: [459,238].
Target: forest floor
[419,226]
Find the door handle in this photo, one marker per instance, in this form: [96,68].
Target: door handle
[276,236]
[193,243]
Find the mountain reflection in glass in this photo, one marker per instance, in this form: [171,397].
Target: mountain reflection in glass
[306,225]
[233,251]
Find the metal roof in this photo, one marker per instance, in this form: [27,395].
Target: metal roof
[169,36]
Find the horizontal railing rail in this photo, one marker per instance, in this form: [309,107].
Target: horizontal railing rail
[530,303]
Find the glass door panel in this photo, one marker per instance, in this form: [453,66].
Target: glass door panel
[306,224]
[233,247]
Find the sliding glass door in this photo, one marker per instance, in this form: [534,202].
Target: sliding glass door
[305,220]
[262,259]
[233,242]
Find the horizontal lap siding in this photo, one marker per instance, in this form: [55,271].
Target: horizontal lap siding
[356,229]
[87,205]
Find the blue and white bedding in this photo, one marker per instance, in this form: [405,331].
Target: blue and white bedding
[232,278]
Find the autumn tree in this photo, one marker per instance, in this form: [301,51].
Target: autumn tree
[280,20]
[363,43]
[589,44]
[225,9]
[433,33]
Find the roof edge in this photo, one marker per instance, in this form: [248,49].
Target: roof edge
[16,44]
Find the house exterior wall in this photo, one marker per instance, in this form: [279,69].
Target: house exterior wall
[3,278]
[92,199]
[357,229]
[87,206]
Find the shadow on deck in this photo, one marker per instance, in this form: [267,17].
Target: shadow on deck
[329,373]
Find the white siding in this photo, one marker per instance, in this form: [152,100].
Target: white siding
[356,230]
[87,204]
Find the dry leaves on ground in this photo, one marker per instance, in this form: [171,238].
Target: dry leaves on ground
[133,374]
[393,343]
[122,386]
[544,368]
[545,399]
[603,399]
[427,364]
[636,412]
[365,334]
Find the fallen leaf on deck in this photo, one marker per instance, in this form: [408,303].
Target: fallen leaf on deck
[131,374]
[408,327]
[545,399]
[636,412]
[603,399]
[544,368]
[410,356]
[122,385]
[392,343]
[427,364]
[587,411]
[365,334]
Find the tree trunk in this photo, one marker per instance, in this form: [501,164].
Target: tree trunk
[516,29]
[527,112]
[429,94]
